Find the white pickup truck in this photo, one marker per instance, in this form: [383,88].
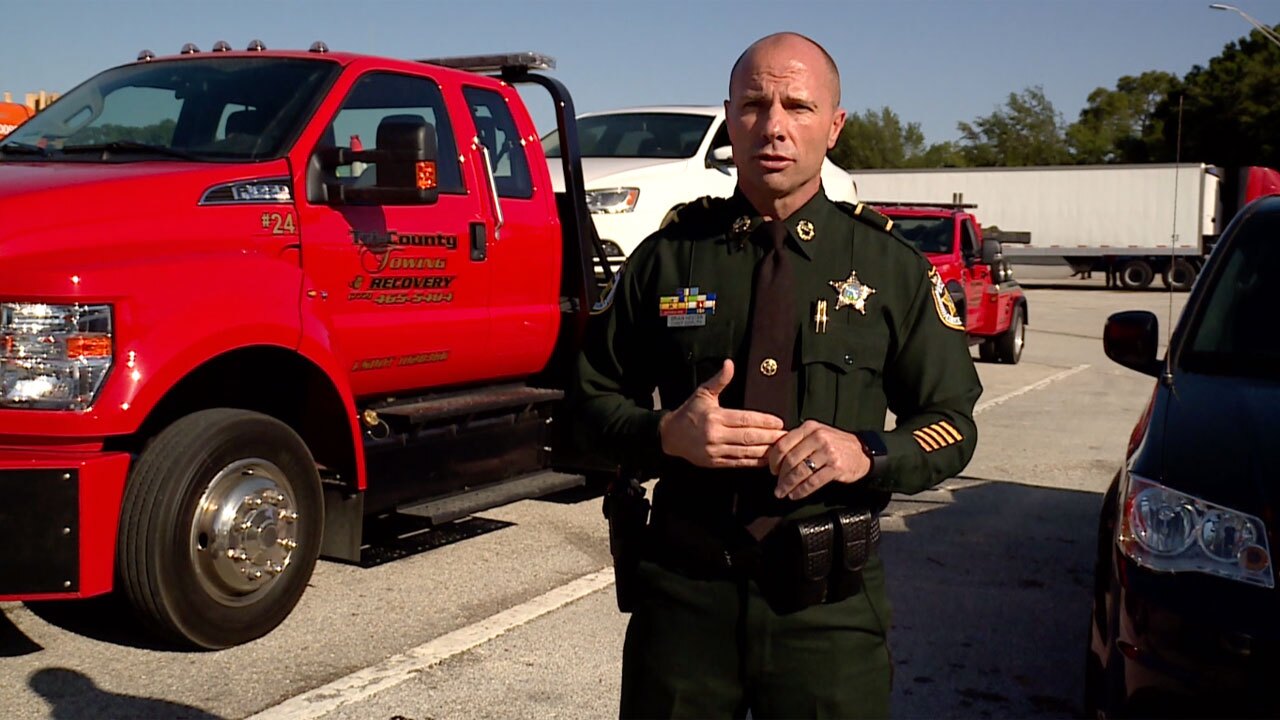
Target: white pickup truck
[638,163]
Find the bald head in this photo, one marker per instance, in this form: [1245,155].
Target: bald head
[801,49]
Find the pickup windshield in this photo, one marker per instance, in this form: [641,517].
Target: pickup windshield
[636,135]
[1234,332]
[201,109]
[932,235]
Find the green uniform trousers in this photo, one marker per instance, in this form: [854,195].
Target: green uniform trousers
[715,649]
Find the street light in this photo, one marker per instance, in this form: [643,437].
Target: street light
[1267,32]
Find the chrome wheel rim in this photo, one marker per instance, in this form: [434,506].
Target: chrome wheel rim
[244,531]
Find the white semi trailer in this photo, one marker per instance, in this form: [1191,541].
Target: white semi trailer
[1132,221]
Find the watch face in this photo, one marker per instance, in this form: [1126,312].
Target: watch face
[872,444]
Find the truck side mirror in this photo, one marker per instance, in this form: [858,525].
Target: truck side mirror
[991,251]
[1131,339]
[404,165]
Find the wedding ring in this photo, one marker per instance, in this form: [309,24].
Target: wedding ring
[811,465]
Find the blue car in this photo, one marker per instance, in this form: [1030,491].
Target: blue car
[1186,615]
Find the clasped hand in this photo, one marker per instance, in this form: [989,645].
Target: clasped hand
[803,459]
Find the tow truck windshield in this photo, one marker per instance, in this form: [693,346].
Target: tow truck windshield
[191,109]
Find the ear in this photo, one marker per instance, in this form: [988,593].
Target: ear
[837,124]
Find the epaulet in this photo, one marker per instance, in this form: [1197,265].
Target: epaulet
[866,214]
[692,211]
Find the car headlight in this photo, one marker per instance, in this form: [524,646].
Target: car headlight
[613,200]
[53,357]
[1169,531]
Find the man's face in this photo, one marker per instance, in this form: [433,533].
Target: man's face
[782,118]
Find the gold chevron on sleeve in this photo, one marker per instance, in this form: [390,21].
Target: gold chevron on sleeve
[924,441]
[938,437]
[947,428]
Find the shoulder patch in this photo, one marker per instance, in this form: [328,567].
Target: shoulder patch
[609,291]
[943,303]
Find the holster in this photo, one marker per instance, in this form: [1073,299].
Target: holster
[627,510]
[816,560]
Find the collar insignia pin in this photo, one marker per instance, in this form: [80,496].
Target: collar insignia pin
[804,229]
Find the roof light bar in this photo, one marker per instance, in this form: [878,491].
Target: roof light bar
[222,46]
[256,46]
[146,56]
[189,49]
[495,63]
[318,47]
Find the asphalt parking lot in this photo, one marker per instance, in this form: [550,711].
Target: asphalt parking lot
[989,579]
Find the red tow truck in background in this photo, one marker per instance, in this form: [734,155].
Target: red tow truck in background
[970,263]
[226,340]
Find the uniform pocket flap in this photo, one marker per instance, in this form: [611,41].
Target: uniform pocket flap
[843,349]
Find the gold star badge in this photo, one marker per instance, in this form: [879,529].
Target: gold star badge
[804,229]
[852,292]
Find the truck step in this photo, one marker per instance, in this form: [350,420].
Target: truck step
[447,509]
[470,402]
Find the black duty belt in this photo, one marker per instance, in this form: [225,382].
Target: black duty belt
[802,562]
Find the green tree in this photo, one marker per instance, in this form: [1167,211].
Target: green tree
[879,139]
[1122,125]
[1231,108]
[1026,130]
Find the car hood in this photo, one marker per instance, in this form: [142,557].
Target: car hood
[615,172]
[1216,432]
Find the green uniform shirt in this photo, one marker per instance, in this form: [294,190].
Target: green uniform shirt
[681,305]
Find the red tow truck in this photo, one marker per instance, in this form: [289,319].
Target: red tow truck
[971,265]
[249,299]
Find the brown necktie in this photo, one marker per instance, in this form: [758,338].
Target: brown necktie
[770,373]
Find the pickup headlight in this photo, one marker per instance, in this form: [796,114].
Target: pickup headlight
[613,200]
[53,357]
[1168,531]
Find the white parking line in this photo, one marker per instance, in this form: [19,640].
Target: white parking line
[1030,388]
[395,670]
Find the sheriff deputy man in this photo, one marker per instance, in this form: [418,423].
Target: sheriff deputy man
[778,327]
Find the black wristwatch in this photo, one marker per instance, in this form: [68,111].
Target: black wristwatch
[874,448]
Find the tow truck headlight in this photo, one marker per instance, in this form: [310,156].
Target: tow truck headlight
[53,357]
[1169,531]
[613,200]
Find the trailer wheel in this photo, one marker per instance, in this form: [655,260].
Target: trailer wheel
[221,528]
[1136,274]
[1008,345]
[1180,276]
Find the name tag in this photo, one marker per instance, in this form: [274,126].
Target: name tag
[686,320]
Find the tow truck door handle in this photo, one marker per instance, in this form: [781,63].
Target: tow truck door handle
[479,242]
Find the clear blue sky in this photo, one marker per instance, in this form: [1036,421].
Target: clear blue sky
[934,62]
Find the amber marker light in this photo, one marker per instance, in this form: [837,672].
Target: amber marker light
[88,346]
[426,174]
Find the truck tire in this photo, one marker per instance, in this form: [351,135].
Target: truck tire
[220,528]
[1009,344]
[1136,274]
[1180,276]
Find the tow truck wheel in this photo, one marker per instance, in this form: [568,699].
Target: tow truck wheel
[221,528]
[1009,344]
